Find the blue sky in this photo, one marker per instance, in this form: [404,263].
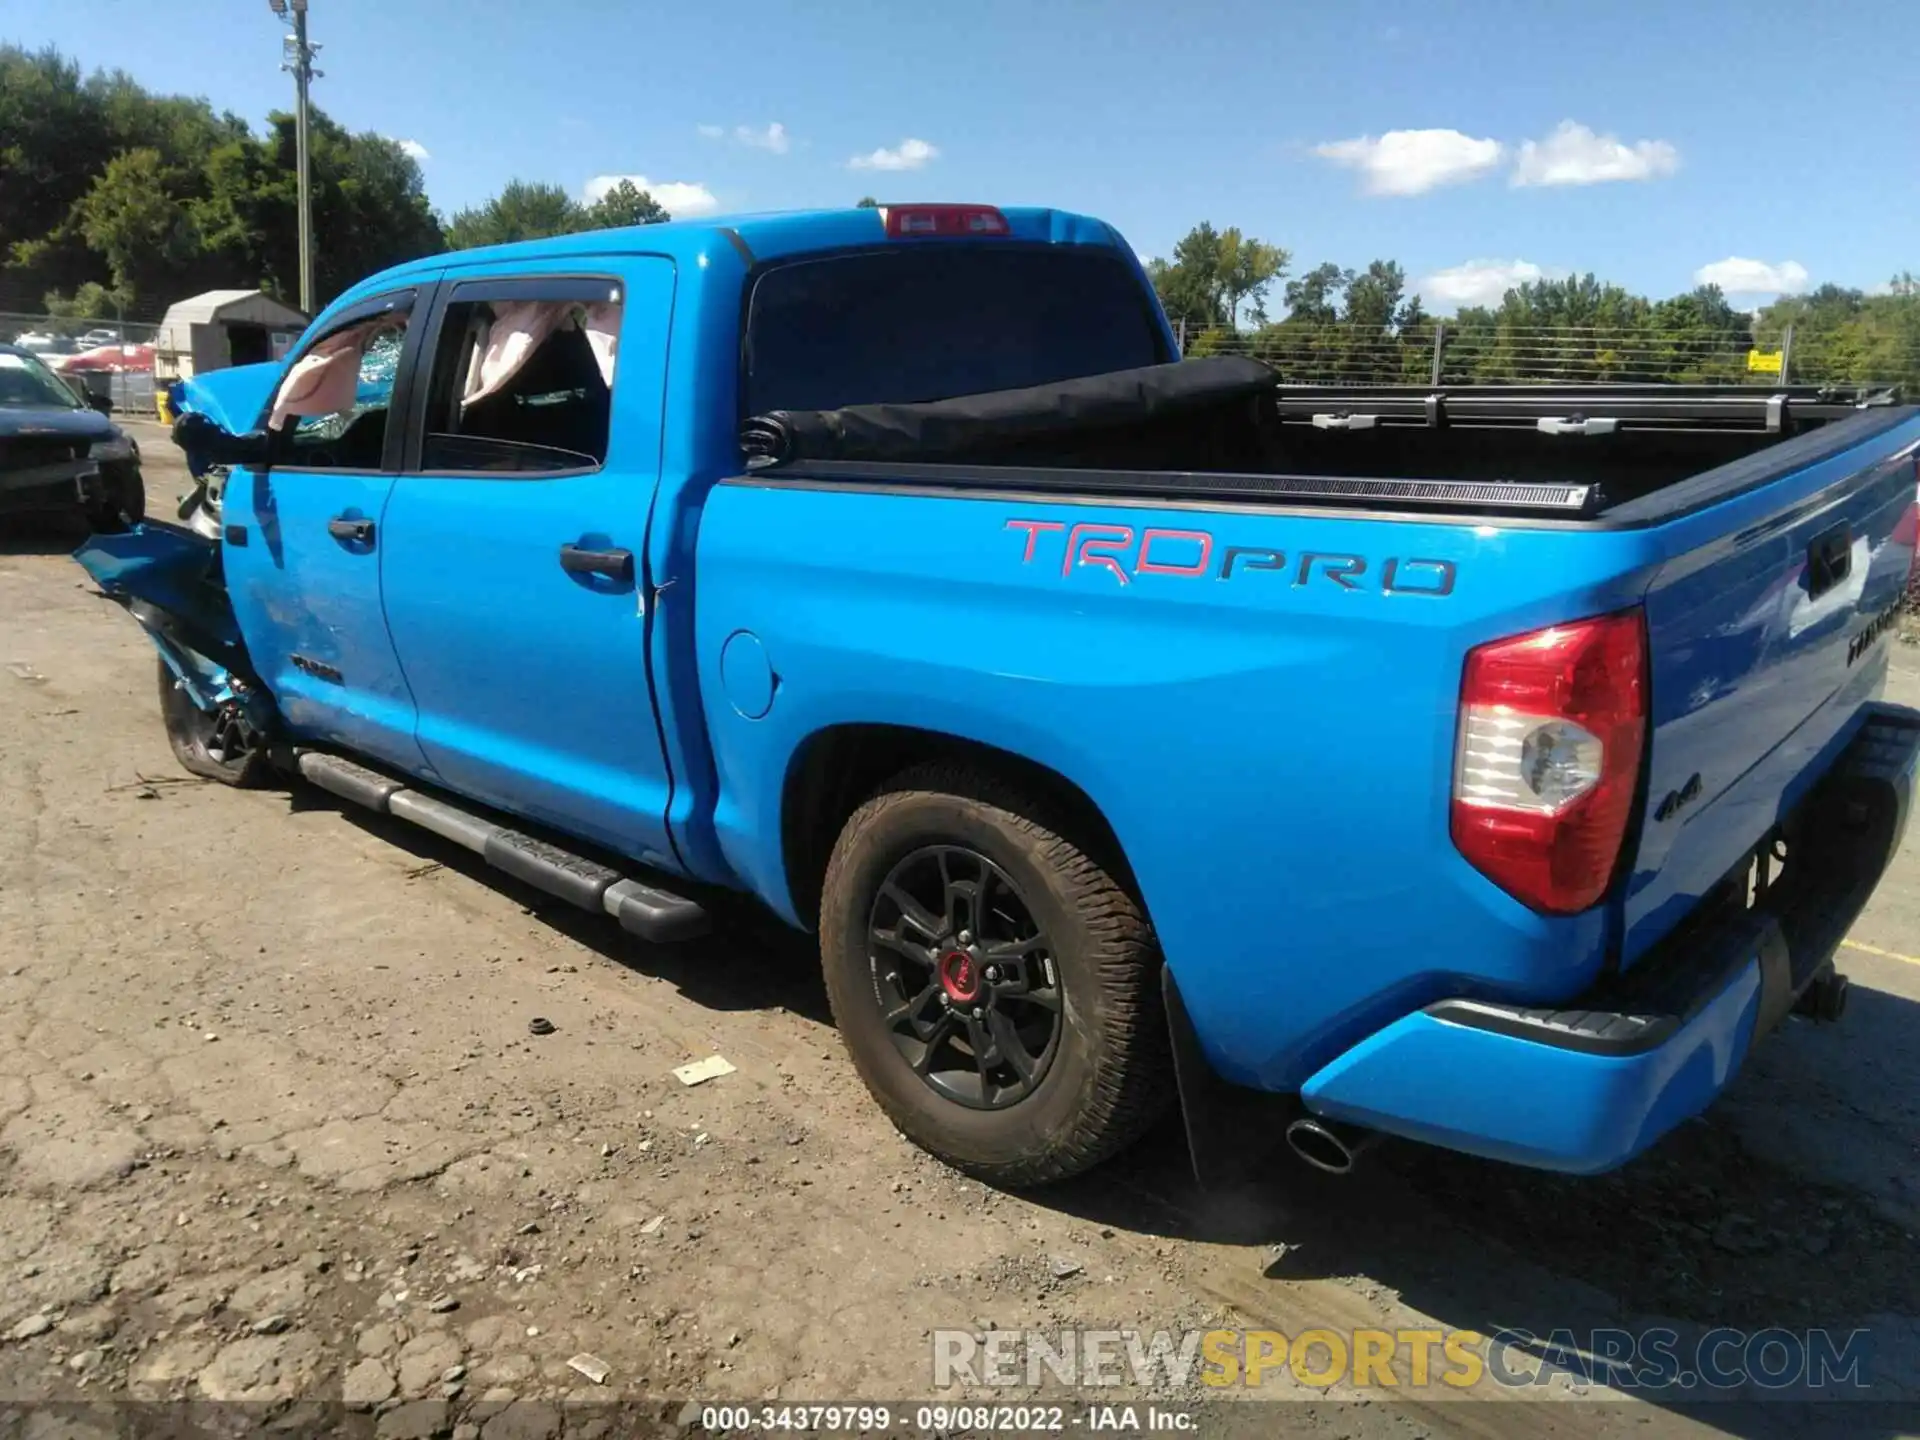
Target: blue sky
[1650,141]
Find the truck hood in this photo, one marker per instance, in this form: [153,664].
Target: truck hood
[232,398]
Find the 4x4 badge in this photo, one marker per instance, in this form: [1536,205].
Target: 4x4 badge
[1677,800]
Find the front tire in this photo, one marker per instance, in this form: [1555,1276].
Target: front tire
[215,746]
[996,987]
[123,503]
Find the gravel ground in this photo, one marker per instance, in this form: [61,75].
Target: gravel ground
[274,1130]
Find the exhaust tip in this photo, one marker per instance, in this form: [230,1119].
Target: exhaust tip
[1325,1148]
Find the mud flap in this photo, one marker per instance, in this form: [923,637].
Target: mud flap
[169,580]
[1235,1136]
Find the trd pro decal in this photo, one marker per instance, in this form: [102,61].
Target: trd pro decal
[1123,553]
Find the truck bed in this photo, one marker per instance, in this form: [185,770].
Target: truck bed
[1228,429]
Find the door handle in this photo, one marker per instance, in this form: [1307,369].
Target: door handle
[614,564]
[359,531]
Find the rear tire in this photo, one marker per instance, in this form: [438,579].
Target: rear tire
[1092,1079]
[209,745]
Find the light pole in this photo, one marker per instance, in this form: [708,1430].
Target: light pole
[299,59]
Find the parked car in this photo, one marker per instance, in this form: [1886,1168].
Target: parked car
[42,343]
[60,452]
[1393,760]
[100,335]
[115,358]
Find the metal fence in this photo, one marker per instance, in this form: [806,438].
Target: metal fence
[1445,353]
[85,352]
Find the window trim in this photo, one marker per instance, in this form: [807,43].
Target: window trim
[591,286]
[901,247]
[415,300]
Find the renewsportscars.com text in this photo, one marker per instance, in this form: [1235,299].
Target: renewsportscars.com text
[1310,1361]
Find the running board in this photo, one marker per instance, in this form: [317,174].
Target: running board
[645,910]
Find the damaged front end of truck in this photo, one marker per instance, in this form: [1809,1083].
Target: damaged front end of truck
[169,576]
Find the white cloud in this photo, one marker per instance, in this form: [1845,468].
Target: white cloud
[683,198]
[1739,276]
[1408,162]
[1478,282]
[1574,155]
[774,137]
[415,149]
[909,155]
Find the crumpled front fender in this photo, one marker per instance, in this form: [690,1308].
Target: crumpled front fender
[169,580]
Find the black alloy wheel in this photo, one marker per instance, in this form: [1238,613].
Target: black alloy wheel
[965,977]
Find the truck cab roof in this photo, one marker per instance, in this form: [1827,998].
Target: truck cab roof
[757,238]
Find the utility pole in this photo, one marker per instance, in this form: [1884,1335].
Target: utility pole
[299,59]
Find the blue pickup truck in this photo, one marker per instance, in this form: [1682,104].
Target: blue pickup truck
[1488,767]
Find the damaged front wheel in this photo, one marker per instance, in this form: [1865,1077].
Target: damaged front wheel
[218,744]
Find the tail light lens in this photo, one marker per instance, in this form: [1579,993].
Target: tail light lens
[1907,533]
[1553,727]
[904,221]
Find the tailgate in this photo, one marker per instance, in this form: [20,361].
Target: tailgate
[1767,632]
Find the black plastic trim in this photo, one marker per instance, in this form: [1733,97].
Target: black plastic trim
[740,246]
[587,288]
[1565,501]
[349,781]
[650,911]
[571,877]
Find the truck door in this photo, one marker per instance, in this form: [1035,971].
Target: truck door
[515,552]
[303,536]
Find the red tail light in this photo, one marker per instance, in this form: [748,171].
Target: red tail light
[1553,726]
[905,221]
[1907,533]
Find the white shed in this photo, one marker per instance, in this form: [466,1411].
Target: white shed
[222,328]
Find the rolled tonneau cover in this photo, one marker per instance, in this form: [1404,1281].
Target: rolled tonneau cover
[971,423]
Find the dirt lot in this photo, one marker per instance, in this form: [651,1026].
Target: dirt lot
[273,1128]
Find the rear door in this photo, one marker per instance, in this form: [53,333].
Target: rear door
[304,536]
[514,566]
[1766,630]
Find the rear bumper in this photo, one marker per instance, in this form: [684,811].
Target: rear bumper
[1585,1087]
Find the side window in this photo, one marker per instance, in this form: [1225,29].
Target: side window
[331,408]
[523,384]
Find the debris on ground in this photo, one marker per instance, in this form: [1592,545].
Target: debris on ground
[540,1025]
[591,1366]
[701,1071]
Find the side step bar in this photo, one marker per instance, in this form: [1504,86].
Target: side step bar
[645,910]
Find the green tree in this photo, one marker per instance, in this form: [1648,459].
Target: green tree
[54,139]
[1189,284]
[92,301]
[866,202]
[1248,268]
[370,206]
[1314,298]
[624,204]
[133,220]
[523,210]
[102,182]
